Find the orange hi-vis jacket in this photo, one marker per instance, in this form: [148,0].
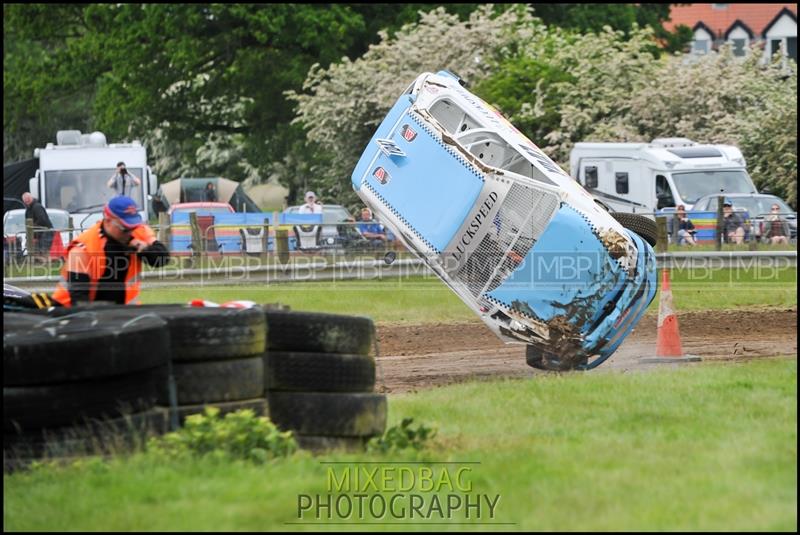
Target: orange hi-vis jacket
[93,243]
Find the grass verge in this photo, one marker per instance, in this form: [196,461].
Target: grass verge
[710,447]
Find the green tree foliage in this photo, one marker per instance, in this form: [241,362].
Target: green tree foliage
[560,87]
[609,88]
[40,92]
[341,106]
[583,18]
[202,84]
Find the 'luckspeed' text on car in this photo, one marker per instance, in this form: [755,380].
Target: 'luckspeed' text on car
[512,234]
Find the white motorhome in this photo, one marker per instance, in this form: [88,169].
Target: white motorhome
[73,175]
[646,177]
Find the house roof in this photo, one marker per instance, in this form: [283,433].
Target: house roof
[739,24]
[756,17]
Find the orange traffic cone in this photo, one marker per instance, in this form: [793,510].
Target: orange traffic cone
[57,249]
[668,344]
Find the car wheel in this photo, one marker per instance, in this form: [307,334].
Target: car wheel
[545,360]
[643,226]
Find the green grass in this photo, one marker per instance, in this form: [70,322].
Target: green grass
[426,299]
[711,447]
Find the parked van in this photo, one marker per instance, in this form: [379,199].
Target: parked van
[646,177]
[73,173]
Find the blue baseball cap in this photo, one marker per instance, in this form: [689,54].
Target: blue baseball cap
[124,209]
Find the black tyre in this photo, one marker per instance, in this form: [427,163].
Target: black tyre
[96,437]
[641,225]
[215,381]
[80,347]
[200,333]
[541,360]
[328,414]
[28,408]
[317,444]
[545,360]
[319,333]
[257,405]
[16,321]
[318,372]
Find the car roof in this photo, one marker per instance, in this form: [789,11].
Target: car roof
[205,204]
[325,207]
[739,195]
[49,211]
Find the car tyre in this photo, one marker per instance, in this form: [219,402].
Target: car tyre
[643,226]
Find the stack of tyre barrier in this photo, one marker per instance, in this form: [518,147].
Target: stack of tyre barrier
[320,379]
[217,359]
[75,385]
[216,356]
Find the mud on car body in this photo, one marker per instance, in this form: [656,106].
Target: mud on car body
[519,241]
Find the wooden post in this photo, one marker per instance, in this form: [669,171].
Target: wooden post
[720,224]
[282,245]
[164,229]
[29,239]
[675,226]
[265,240]
[661,235]
[197,243]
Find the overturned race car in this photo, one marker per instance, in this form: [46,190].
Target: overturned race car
[513,235]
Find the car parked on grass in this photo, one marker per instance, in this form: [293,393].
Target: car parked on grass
[758,207]
[512,234]
[337,230]
[15,237]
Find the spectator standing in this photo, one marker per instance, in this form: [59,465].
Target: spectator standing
[211,193]
[311,206]
[776,229]
[371,229]
[104,262]
[34,210]
[123,181]
[733,224]
[686,230]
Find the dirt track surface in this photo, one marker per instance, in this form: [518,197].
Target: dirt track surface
[413,357]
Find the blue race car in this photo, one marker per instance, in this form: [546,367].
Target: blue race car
[512,234]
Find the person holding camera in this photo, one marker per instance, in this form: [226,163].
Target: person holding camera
[123,181]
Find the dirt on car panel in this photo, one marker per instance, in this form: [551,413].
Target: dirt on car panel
[615,243]
[566,339]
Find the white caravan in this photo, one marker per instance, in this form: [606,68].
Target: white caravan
[646,177]
[73,175]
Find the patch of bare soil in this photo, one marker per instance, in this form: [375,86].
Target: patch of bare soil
[422,356]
